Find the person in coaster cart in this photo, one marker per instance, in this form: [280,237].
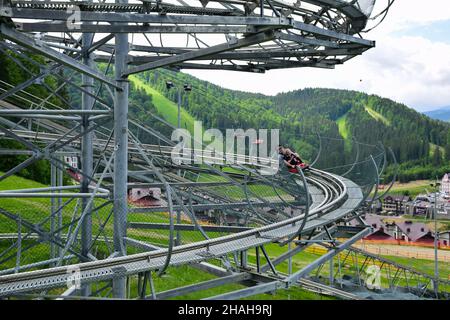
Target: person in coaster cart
[292,160]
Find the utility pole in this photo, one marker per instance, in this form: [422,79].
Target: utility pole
[87,152]
[436,261]
[121,154]
[187,88]
[179,109]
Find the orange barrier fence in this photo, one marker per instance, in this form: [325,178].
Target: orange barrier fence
[383,251]
[314,249]
[441,246]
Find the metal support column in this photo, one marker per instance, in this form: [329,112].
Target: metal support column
[290,258]
[331,271]
[87,103]
[60,183]
[121,155]
[244,259]
[178,236]
[53,205]
[179,108]
[436,235]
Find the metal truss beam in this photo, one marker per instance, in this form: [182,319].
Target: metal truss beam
[186,19]
[247,292]
[63,27]
[33,112]
[290,253]
[331,34]
[229,67]
[304,40]
[303,272]
[46,51]
[177,184]
[201,207]
[238,43]
[203,285]
[344,48]
[246,55]
[122,17]
[258,68]
[185,227]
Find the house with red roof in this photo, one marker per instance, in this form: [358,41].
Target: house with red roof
[382,231]
[414,232]
[145,197]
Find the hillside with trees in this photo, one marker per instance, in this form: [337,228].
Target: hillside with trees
[420,144]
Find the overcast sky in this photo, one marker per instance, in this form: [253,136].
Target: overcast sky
[410,64]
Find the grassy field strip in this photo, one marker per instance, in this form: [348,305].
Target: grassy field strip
[421,185]
[344,131]
[377,116]
[412,188]
[433,148]
[342,126]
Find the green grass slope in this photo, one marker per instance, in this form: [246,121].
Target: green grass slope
[342,126]
[433,148]
[344,131]
[377,116]
[167,108]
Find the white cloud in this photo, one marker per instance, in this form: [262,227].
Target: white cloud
[406,13]
[411,70]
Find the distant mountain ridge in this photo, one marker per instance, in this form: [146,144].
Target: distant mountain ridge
[420,143]
[439,114]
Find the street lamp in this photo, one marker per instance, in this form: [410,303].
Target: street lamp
[186,88]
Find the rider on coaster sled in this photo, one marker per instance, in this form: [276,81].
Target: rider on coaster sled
[292,160]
